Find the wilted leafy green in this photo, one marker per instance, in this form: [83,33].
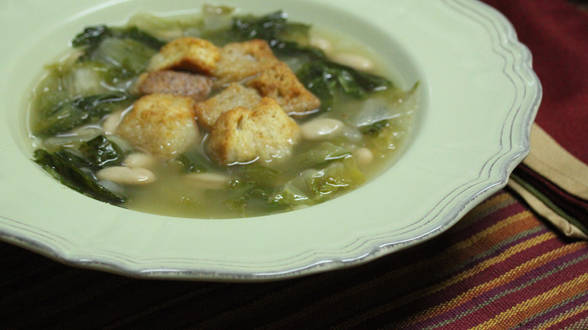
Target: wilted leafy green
[136,34]
[320,155]
[216,17]
[255,173]
[260,189]
[251,188]
[314,186]
[320,75]
[100,152]
[336,177]
[127,56]
[375,128]
[325,78]
[249,197]
[65,82]
[74,171]
[320,82]
[68,115]
[126,50]
[297,32]
[195,162]
[286,39]
[267,27]
[290,196]
[92,36]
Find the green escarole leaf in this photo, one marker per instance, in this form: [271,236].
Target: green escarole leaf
[129,57]
[74,171]
[255,174]
[321,76]
[315,186]
[139,35]
[267,27]
[70,114]
[319,81]
[325,78]
[251,188]
[100,152]
[320,155]
[195,162]
[92,36]
[103,103]
[286,39]
[375,128]
[256,187]
[126,51]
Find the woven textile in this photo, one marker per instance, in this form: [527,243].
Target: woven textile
[500,267]
[555,31]
[557,165]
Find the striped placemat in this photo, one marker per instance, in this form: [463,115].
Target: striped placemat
[500,267]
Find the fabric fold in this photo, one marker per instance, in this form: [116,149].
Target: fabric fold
[549,159]
[553,179]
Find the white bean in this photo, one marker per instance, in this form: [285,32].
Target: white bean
[321,128]
[126,175]
[139,159]
[321,43]
[364,156]
[208,180]
[111,122]
[353,60]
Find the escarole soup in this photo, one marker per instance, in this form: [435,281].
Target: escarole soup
[218,115]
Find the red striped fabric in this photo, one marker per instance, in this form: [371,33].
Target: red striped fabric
[555,32]
[500,267]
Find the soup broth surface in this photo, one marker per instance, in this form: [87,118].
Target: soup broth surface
[81,96]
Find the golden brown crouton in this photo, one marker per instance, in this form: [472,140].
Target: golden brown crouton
[265,132]
[281,84]
[187,53]
[240,60]
[161,124]
[178,83]
[236,95]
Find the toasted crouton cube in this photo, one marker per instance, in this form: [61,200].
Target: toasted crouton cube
[160,124]
[187,53]
[172,82]
[281,84]
[240,60]
[236,95]
[265,132]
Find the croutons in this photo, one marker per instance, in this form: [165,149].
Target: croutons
[265,132]
[272,78]
[160,124]
[187,53]
[235,95]
[240,60]
[178,83]
[281,84]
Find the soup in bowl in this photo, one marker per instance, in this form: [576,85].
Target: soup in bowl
[218,115]
[473,105]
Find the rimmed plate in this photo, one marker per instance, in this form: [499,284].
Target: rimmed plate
[479,97]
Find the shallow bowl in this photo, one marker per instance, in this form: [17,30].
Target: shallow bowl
[479,96]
